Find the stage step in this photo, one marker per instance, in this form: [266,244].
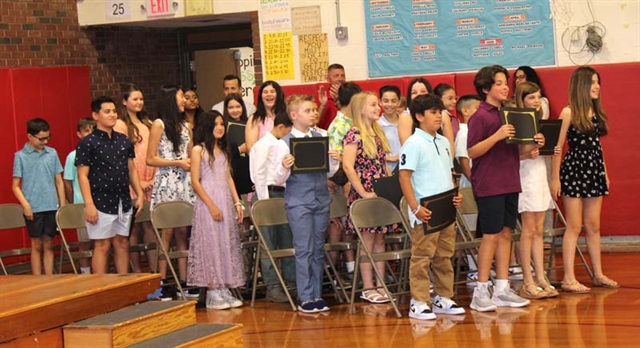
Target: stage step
[198,335]
[130,325]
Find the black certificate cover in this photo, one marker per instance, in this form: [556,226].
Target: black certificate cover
[551,131]
[235,133]
[524,121]
[388,188]
[311,155]
[443,212]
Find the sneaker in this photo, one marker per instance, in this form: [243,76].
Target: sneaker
[508,298]
[481,301]
[168,292]
[322,305]
[190,293]
[277,295]
[444,305]
[420,310]
[230,299]
[472,278]
[515,273]
[215,300]
[308,307]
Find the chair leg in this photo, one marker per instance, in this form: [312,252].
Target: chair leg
[169,264]
[255,275]
[356,274]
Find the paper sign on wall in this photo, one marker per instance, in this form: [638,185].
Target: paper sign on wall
[275,16]
[306,20]
[278,55]
[314,57]
[198,7]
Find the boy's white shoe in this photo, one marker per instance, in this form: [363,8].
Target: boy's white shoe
[420,310]
[508,298]
[444,305]
[481,301]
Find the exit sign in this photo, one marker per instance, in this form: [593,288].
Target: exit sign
[157,8]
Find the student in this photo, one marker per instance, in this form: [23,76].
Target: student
[105,165]
[38,186]
[495,179]
[528,74]
[215,259]
[363,160]
[134,123]
[168,150]
[447,94]
[192,109]
[270,102]
[232,85]
[343,121]
[533,202]
[314,123]
[389,101]
[425,170]
[72,189]
[581,177]
[328,108]
[235,111]
[262,168]
[307,203]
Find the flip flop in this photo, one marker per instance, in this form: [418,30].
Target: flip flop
[575,287]
[605,282]
[373,296]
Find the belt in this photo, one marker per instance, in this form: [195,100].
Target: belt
[275,188]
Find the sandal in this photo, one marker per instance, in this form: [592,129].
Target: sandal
[532,291]
[550,289]
[605,282]
[373,296]
[575,287]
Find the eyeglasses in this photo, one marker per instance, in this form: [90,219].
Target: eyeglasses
[42,139]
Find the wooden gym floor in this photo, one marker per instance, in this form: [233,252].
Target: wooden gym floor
[603,318]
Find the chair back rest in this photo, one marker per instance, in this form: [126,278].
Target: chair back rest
[172,215]
[269,212]
[468,205]
[71,216]
[404,210]
[145,215]
[375,212]
[11,216]
[338,207]
[246,209]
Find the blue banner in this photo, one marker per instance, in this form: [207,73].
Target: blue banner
[411,37]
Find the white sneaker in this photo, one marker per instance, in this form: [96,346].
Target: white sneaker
[481,301]
[215,300]
[420,310]
[444,305]
[508,298]
[230,299]
[472,278]
[515,273]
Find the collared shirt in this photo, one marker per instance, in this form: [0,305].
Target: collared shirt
[498,170]
[320,131]
[71,174]
[329,112]
[281,149]
[461,151]
[337,130]
[248,104]
[391,132]
[38,170]
[430,160]
[261,164]
[108,162]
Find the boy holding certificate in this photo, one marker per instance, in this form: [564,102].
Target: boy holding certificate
[307,201]
[425,170]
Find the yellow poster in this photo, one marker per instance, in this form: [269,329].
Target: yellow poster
[314,57]
[278,55]
[198,7]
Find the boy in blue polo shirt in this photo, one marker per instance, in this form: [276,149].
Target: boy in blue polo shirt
[425,170]
[38,186]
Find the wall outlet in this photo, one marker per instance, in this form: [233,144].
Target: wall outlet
[342,33]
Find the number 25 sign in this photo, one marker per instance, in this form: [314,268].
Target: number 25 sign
[118,9]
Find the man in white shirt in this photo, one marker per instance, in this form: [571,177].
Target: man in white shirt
[232,84]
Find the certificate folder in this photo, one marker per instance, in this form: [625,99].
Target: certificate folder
[551,131]
[235,133]
[311,155]
[388,188]
[524,121]
[443,212]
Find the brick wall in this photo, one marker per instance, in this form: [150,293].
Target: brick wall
[257,54]
[46,33]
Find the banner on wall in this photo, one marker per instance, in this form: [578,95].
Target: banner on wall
[314,57]
[278,55]
[431,36]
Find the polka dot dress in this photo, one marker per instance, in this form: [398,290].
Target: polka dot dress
[582,173]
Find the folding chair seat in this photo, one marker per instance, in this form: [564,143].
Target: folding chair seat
[167,215]
[71,216]
[11,217]
[375,212]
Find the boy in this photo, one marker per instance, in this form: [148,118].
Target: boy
[466,107]
[389,101]
[425,170]
[38,186]
[261,168]
[104,160]
[307,201]
[72,189]
[495,178]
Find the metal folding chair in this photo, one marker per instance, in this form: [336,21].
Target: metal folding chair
[337,210]
[11,217]
[71,216]
[466,243]
[145,216]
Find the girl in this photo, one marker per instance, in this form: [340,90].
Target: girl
[527,74]
[270,103]
[134,123]
[363,160]
[235,111]
[168,151]
[447,94]
[215,258]
[582,178]
[533,202]
[192,109]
